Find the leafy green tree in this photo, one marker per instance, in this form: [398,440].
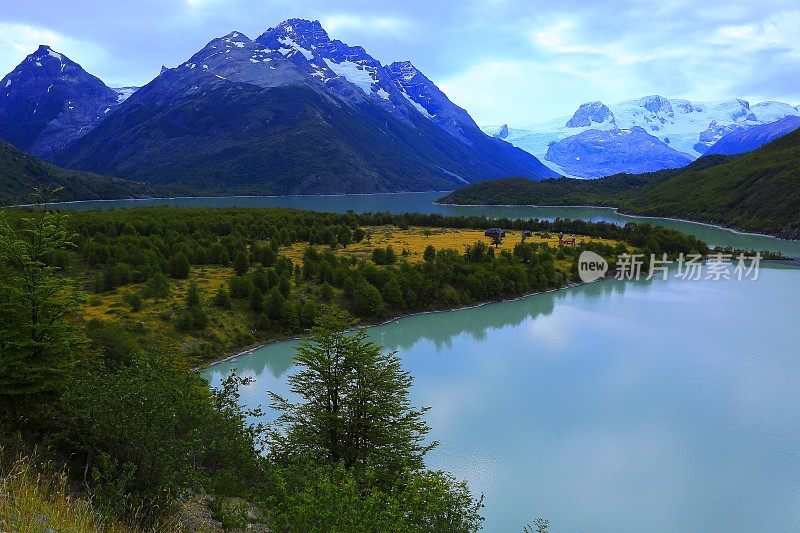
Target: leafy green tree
[429,255]
[222,299]
[367,300]
[273,303]
[115,345]
[356,409]
[325,292]
[256,299]
[393,293]
[241,264]
[38,335]
[285,285]
[149,429]
[178,266]
[193,295]
[157,286]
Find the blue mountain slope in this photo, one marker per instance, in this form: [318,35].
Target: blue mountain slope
[749,139]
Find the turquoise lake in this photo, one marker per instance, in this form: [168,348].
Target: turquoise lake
[655,406]
[650,406]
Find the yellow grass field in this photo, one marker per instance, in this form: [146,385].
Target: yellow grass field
[415,240]
[226,329]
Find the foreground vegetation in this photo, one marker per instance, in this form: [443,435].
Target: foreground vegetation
[758,191]
[108,395]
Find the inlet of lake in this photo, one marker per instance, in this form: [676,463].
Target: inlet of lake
[657,406]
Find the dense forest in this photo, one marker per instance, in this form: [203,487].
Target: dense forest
[153,248]
[758,191]
[140,438]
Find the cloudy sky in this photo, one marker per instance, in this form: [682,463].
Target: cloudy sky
[514,61]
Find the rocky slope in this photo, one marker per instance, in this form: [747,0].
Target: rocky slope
[294,112]
[48,101]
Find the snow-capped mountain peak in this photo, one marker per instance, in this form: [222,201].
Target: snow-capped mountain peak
[686,126]
[589,114]
[48,100]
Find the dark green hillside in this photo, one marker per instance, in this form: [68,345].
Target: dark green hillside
[758,191]
[20,173]
[606,191]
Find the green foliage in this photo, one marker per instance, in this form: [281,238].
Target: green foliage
[350,456]
[356,408]
[222,299]
[384,256]
[178,266]
[149,429]
[115,345]
[308,497]
[192,295]
[38,338]
[273,303]
[157,286]
[241,264]
[134,301]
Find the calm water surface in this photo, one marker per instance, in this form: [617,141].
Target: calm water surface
[656,406]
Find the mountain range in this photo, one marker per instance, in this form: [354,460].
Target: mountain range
[646,134]
[290,112]
[758,191]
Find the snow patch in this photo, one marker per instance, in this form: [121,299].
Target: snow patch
[356,74]
[416,105]
[123,93]
[383,94]
[291,45]
[8,84]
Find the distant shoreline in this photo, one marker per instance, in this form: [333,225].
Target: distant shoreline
[617,211]
[150,198]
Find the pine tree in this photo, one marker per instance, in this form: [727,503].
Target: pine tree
[241,264]
[38,337]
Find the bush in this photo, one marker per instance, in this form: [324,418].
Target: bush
[133,300]
[150,429]
[239,287]
[191,318]
[178,266]
[157,286]
[222,299]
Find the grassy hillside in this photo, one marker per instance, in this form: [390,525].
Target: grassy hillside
[758,191]
[20,173]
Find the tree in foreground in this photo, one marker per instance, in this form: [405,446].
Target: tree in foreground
[353,449]
[356,409]
[37,334]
